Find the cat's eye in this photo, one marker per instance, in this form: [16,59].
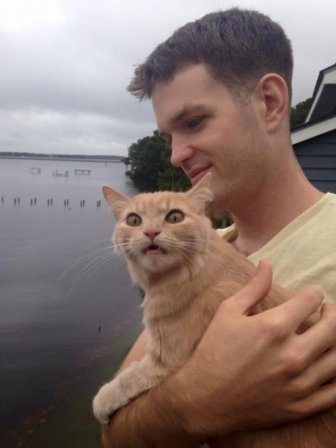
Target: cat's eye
[175,216]
[133,220]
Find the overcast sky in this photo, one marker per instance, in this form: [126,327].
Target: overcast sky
[65,65]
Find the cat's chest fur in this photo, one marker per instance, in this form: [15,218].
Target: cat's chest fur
[179,306]
[173,336]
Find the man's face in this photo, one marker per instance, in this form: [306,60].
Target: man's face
[211,131]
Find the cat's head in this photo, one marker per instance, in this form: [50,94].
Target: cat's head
[157,231]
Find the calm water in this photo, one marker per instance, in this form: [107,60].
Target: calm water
[61,292]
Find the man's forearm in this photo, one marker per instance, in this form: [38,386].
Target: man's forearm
[149,421]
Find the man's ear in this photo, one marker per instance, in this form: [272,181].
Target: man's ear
[272,93]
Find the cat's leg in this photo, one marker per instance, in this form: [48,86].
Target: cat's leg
[134,380]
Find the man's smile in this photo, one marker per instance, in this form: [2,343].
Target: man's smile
[196,174]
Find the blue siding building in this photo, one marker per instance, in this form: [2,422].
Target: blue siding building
[314,142]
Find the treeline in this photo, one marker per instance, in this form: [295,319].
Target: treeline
[300,112]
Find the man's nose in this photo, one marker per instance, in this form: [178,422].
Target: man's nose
[181,151]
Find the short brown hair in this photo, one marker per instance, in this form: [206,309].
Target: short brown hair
[238,47]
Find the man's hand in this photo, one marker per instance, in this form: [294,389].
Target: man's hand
[252,371]
[249,371]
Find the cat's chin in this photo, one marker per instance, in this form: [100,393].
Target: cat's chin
[156,260]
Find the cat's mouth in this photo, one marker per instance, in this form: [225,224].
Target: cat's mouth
[154,249]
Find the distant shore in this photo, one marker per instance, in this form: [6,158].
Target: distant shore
[70,157]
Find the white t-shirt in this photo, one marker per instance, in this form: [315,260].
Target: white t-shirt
[303,254]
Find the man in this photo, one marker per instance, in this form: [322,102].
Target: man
[220,89]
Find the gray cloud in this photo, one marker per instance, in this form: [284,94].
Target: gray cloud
[63,78]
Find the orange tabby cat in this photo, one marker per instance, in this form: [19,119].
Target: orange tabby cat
[186,270]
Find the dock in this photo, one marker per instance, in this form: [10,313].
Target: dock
[35,170]
[82,172]
[57,173]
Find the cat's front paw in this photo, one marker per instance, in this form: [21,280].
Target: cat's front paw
[109,398]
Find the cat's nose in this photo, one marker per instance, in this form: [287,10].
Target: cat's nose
[152,233]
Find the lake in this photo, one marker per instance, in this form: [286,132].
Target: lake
[62,292]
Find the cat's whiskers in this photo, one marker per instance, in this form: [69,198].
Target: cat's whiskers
[133,248]
[89,269]
[87,254]
[93,260]
[95,264]
[188,248]
[174,187]
[187,244]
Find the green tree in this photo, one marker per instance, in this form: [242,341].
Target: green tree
[150,168]
[299,112]
[171,178]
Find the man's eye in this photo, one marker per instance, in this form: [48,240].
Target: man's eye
[133,220]
[175,216]
[194,122]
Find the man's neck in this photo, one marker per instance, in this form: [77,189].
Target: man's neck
[272,209]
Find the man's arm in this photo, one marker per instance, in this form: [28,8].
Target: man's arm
[247,372]
[129,428]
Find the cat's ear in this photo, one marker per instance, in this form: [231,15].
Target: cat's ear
[201,194]
[115,200]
